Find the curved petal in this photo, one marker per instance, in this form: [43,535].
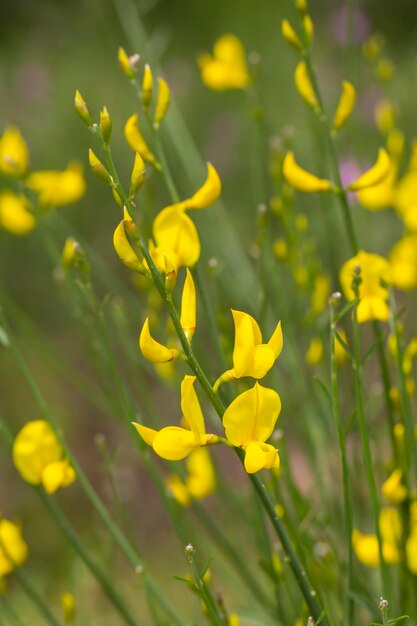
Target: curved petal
[191,409]
[148,434]
[174,231]
[255,458]
[56,475]
[123,248]
[188,307]
[208,193]
[243,351]
[263,360]
[375,174]
[174,443]
[276,342]
[152,350]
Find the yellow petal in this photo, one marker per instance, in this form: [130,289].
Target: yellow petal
[148,434]
[315,351]
[208,193]
[137,143]
[138,175]
[227,68]
[14,214]
[123,248]
[304,86]
[375,174]
[392,489]
[259,455]
[302,180]
[162,102]
[277,341]
[175,232]
[411,552]
[244,346]
[290,35]
[252,415]
[147,87]
[14,153]
[125,63]
[178,490]
[191,409]
[188,307]
[56,475]
[154,351]
[201,479]
[372,308]
[345,106]
[263,360]
[174,443]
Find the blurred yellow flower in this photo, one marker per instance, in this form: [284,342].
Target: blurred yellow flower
[340,352]
[345,105]
[137,142]
[251,357]
[249,421]
[366,546]
[174,443]
[39,457]
[199,482]
[375,174]
[314,354]
[14,213]
[392,489]
[304,86]
[14,153]
[372,295]
[403,260]
[226,68]
[68,607]
[13,549]
[302,180]
[320,295]
[56,188]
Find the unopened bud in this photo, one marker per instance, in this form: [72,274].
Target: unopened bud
[70,252]
[138,175]
[170,275]
[162,102]
[98,168]
[68,607]
[82,109]
[147,87]
[189,549]
[127,64]
[105,125]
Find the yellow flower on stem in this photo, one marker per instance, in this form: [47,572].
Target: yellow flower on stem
[154,351]
[366,545]
[56,188]
[226,68]
[162,102]
[13,549]
[39,458]
[251,357]
[249,421]
[173,230]
[302,180]
[304,86]
[345,105]
[174,443]
[14,153]
[14,213]
[375,175]
[137,142]
[373,295]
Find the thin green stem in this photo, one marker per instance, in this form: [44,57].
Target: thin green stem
[203,591]
[7,608]
[25,583]
[345,468]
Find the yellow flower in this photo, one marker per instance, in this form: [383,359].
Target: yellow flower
[154,351]
[56,188]
[68,607]
[403,260]
[13,549]
[345,106]
[366,546]
[315,351]
[302,180]
[392,489]
[14,154]
[251,357]
[320,295]
[372,295]
[411,552]
[249,421]
[375,175]
[200,480]
[137,143]
[175,233]
[304,86]
[39,457]
[123,248]
[290,35]
[174,443]
[226,68]
[340,353]
[14,214]
[162,102]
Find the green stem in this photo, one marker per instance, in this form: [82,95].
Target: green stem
[345,468]
[357,367]
[74,540]
[31,592]
[8,609]
[202,589]
[306,588]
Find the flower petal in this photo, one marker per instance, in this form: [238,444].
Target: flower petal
[276,342]
[174,231]
[174,443]
[191,409]
[243,351]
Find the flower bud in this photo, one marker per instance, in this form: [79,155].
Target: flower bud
[147,87]
[138,175]
[70,252]
[124,250]
[188,307]
[304,86]
[290,35]
[154,351]
[82,109]
[105,125]
[127,64]
[308,28]
[345,106]
[170,275]
[98,168]
[162,102]
[68,607]
[137,143]
[302,180]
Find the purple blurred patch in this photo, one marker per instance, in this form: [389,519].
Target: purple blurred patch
[349,26]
